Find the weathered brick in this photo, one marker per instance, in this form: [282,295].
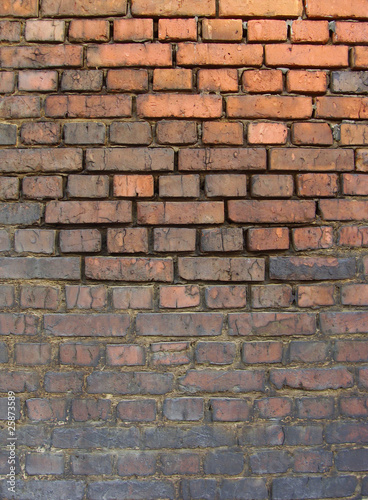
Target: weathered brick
[273,407]
[173,8]
[266,186]
[230,410]
[130,133]
[343,322]
[83,410]
[354,295]
[315,295]
[312,82]
[136,411]
[80,240]
[131,186]
[84,133]
[139,463]
[270,462]
[88,30]
[190,409]
[172,212]
[284,488]
[279,107]
[170,353]
[312,379]
[137,30]
[34,240]
[224,462]
[311,238]
[195,436]
[355,184]
[130,159]
[264,296]
[44,160]
[223,297]
[6,82]
[41,56]
[303,31]
[176,132]
[32,354]
[179,296]
[88,464]
[88,106]
[312,133]
[129,240]
[87,437]
[19,381]
[311,56]
[331,107]
[129,269]
[132,297]
[18,324]
[271,211]
[39,297]
[266,8]
[127,80]
[125,355]
[224,80]
[312,159]
[351,351]
[179,106]
[33,489]
[267,133]
[88,186]
[272,324]
[9,188]
[174,239]
[222,159]
[7,296]
[63,268]
[353,236]
[129,383]
[179,186]
[10,31]
[147,54]
[44,30]
[312,268]
[63,382]
[229,186]
[307,351]
[154,489]
[177,29]
[28,8]
[78,8]
[179,324]
[80,354]
[262,81]
[316,8]
[215,353]
[362,160]
[40,410]
[353,134]
[172,79]
[45,463]
[349,32]
[91,325]
[19,107]
[40,133]
[221,268]
[8,134]
[266,30]
[222,30]
[222,381]
[88,212]
[276,238]
[315,460]
[227,239]
[312,185]
[355,82]
[344,209]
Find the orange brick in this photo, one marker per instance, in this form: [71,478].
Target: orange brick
[342,107]
[130,80]
[136,30]
[179,186]
[133,185]
[311,82]
[127,240]
[176,212]
[175,297]
[177,29]
[310,31]
[267,133]
[172,79]
[276,238]
[222,29]
[312,133]
[353,236]
[28,8]
[315,295]
[226,185]
[359,58]
[222,133]
[355,184]
[76,8]
[139,54]
[262,81]
[179,106]
[312,185]
[282,107]
[261,8]
[337,8]
[310,56]
[264,30]
[172,8]
[88,106]
[89,30]
[348,32]
[176,132]
[224,54]
[312,238]
[222,80]
[354,134]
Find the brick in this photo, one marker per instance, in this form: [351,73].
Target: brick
[128,240]
[227,239]
[344,209]
[308,352]
[8,134]
[310,56]
[225,297]
[179,186]
[215,353]
[129,269]
[222,159]
[28,8]
[218,80]
[180,463]
[85,297]
[125,355]
[222,381]
[352,460]
[46,409]
[87,437]
[227,186]
[174,239]
[343,322]
[255,487]
[177,29]
[80,80]
[195,436]
[266,186]
[154,489]
[41,56]
[80,240]
[222,30]
[354,295]
[18,324]
[137,30]
[172,212]
[129,80]
[83,410]
[20,381]
[355,184]
[6,82]
[131,186]
[190,409]
[312,461]
[311,268]
[33,489]
[351,351]
[40,133]
[311,159]
[32,354]
[4,241]
[89,30]
[311,238]
[111,55]
[132,297]
[177,297]
[130,133]
[44,160]
[45,463]
[265,30]
[273,407]
[132,463]
[20,213]
[9,188]
[35,241]
[39,297]
[312,185]
[173,8]
[20,107]
[315,295]
[44,30]
[271,324]
[342,107]
[353,82]
[230,410]
[261,81]
[312,379]
[337,9]
[7,296]
[176,132]
[129,383]
[179,324]
[271,211]
[63,382]
[224,462]
[76,8]
[354,406]
[312,133]
[361,160]
[87,212]
[264,296]
[349,32]
[40,268]
[353,236]
[80,354]
[273,107]
[317,487]
[88,464]
[270,462]
[353,134]
[179,106]
[87,186]
[88,106]
[264,8]
[221,268]
[312,82]
[222,133]
[268,239]
[267,133]
[170,353]
[10,31]
[309,31]
[207,54]
[91,325]
[130,159]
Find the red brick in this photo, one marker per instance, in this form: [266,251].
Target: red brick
[80,240]
[312,133]
[39,297]
[281,107]
[9,188]
[114,382]
[63,382]
[137,30]
[228,186]
[80,354]
[170,353]
[89,409]
[311,82]
[85,297]
[343,322]
[260,8]
[32,354]
[129,269]
[88,186]
[41,56]
[129,80]
[20,107]
[19,381]
[344,209]
[136,463]
[174,239]
[88,212]
[354,134]
[230,159]
[359,58]
[172,79]
[96,325]
[180,296]
[89,30]
[272,324]
[230,410]
[267,133]
[111,55]
[18,8]
[215,353]
[176,132]
[221,268]
[269,186]
[125,355]
[43,187]
[309,31]
[127,240]
[262,81]
[179,186]
[222,381]
[312,379]
[179,106]
[222,29]
[40,133]
[355,184]
[10,31]
[278,296]
[312,159]
[44,30]
[91,106]
[224,54]
[268,239]
[354,406]
[264,30]
[132,297]
[273,407]
[353,236]
[362,160]
[34,241]
[79,8]
[171,212]
[177,29]
[133,159]
[271,211]
[262,352]
[310,56]
[173,8]
[131,186]
[222,133]
[338,8]
[6,82]
[180,463]
[342,107]
[308,352]
[311,238]
[354,295]
[226,297]
[179,324]
[349,32]
[130,133]
[46,409]
[355,351]
[137,410]
[224,80]
[226,239]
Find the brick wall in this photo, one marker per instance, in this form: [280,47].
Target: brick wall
[184,248]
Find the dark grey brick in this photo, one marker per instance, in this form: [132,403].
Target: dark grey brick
[8,134]
[349,81]
[303,488]
[131,490]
